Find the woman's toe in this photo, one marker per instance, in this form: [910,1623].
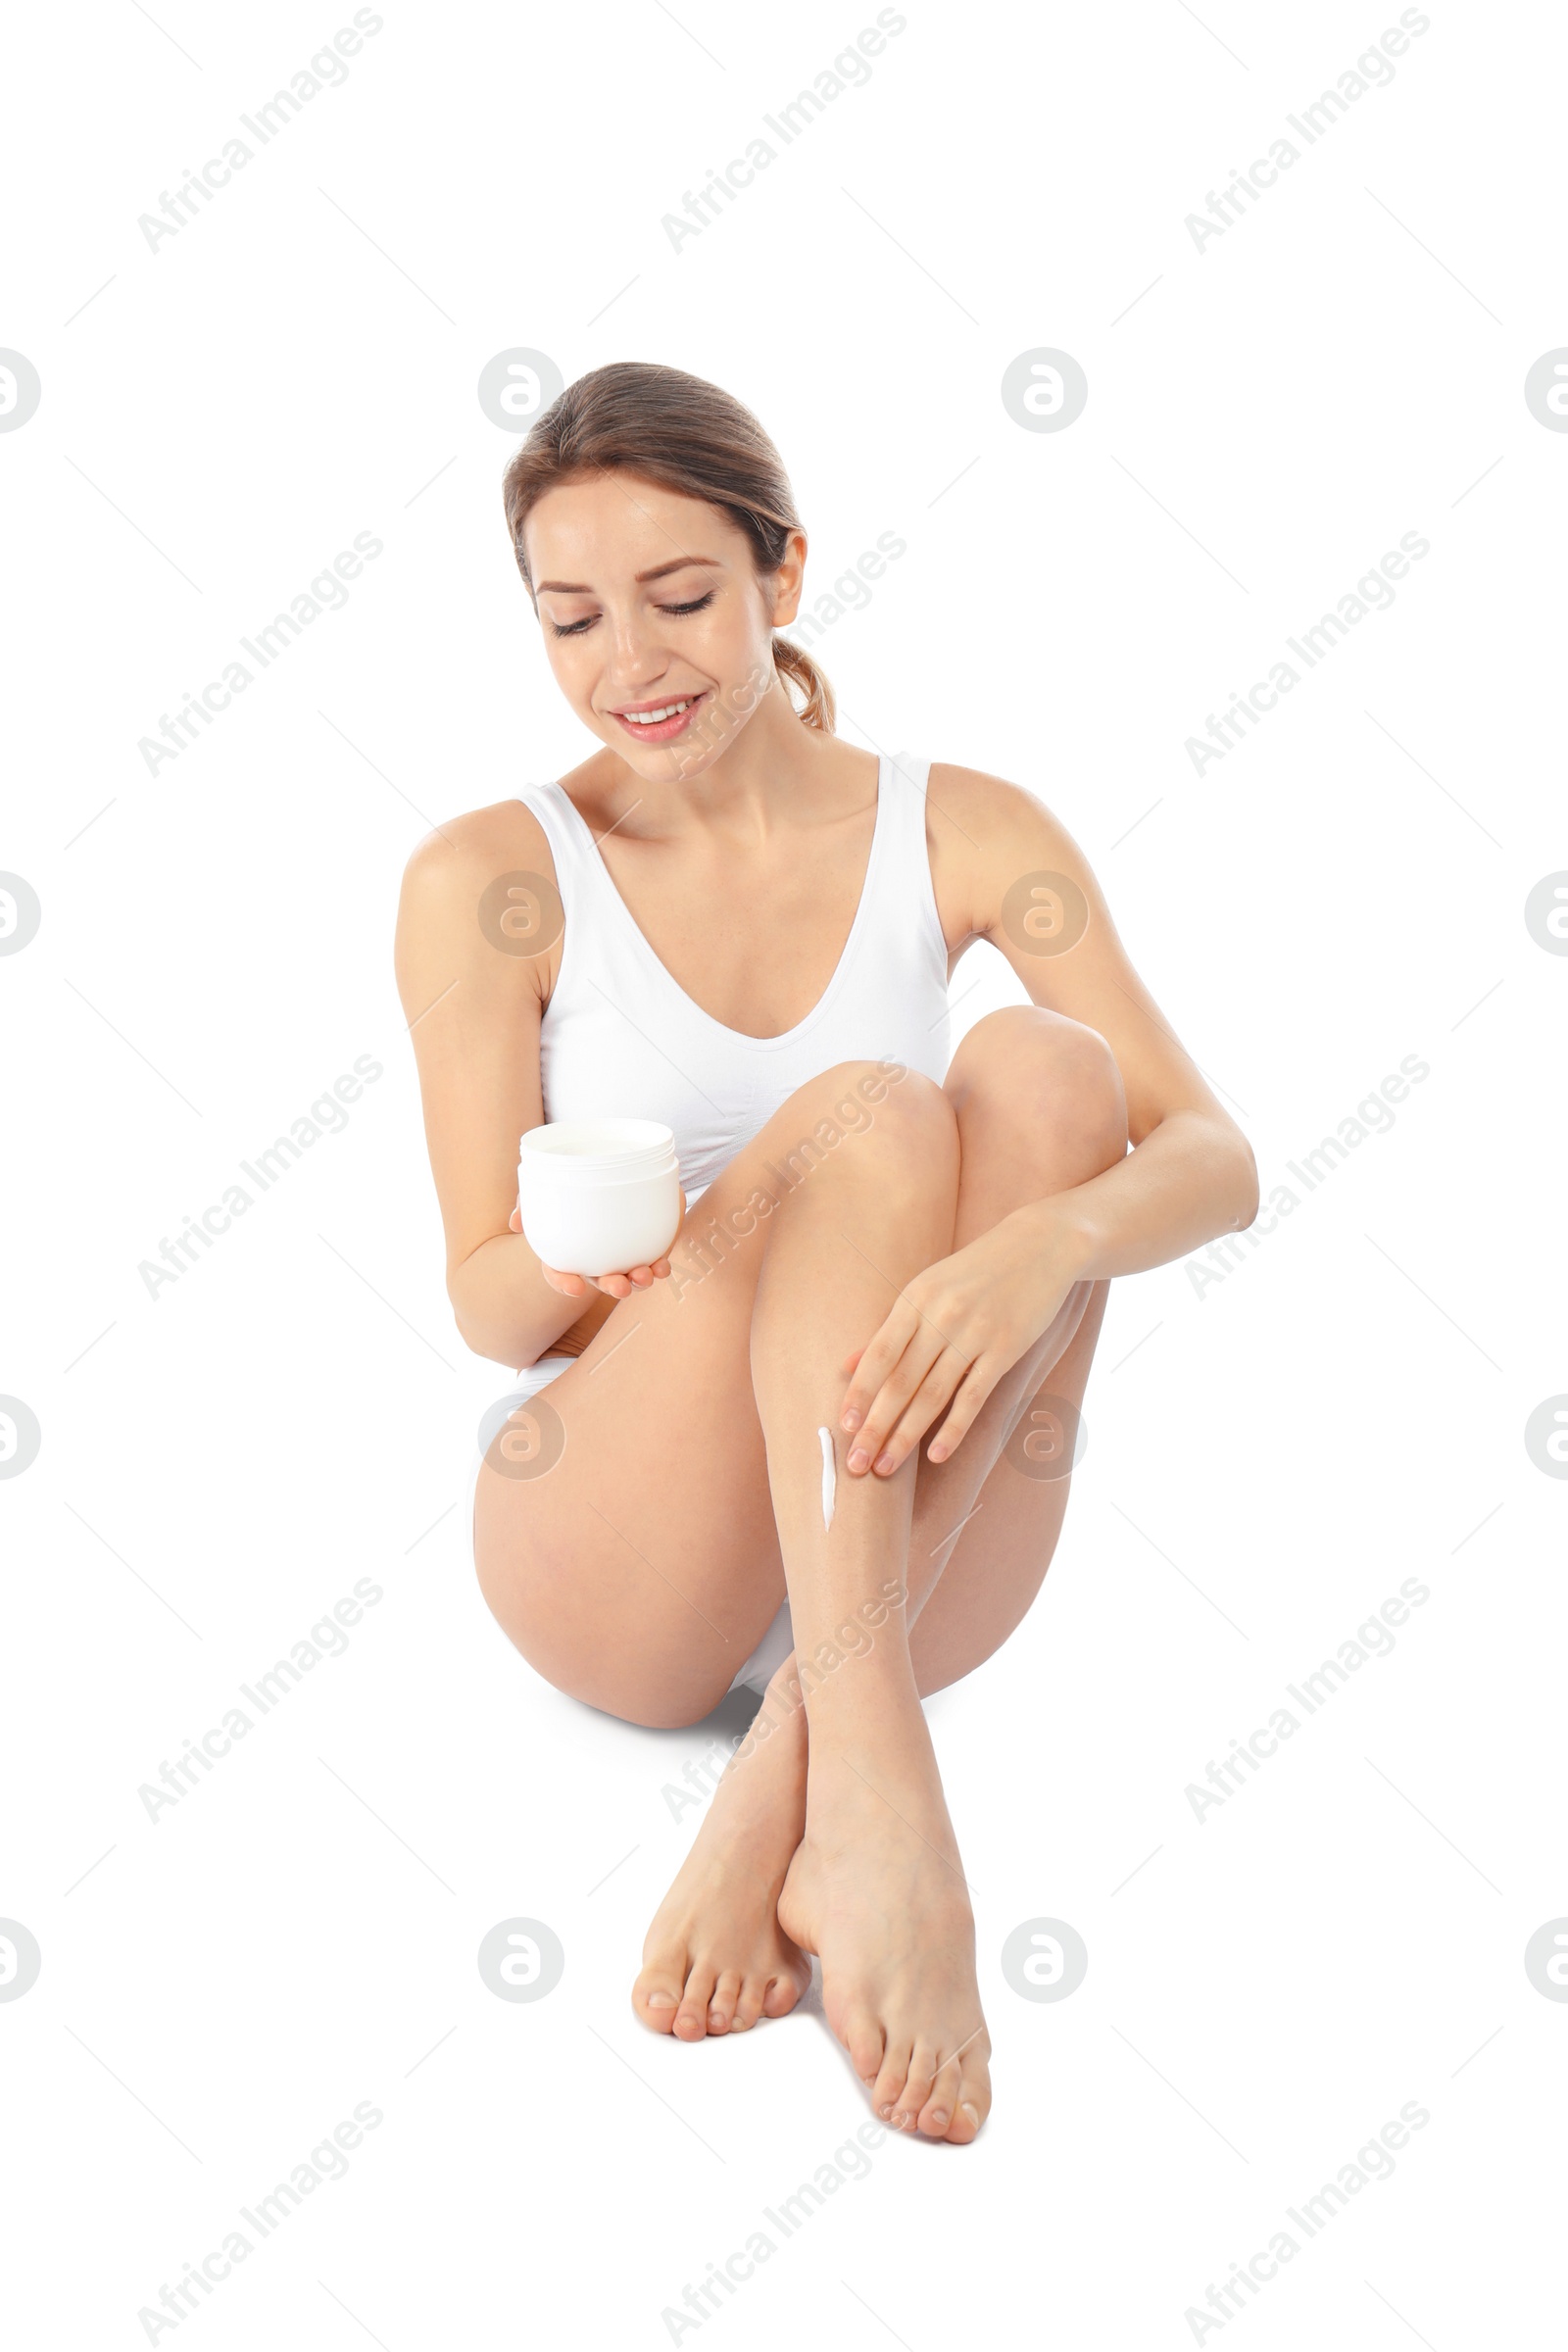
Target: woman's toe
[656,1996]
[781,1996]
[974,2101]
[943,2104]
[917,2086]
[892,2076]
[691,2018]
[866,2043]
[721,2008]
[749,2005]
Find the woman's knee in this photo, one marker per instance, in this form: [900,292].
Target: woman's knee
[884,1108]
[1041,1069]
[914,1111]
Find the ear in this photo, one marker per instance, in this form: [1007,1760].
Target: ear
[789,580]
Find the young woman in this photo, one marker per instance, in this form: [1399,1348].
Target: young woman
[813,1449]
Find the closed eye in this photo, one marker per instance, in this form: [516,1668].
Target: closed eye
[576,628]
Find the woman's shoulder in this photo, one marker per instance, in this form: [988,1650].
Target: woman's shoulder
[465,854]
[982,832]
[999,810]
[464,890]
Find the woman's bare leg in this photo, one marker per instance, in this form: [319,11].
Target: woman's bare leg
[633,1556]
[1039,1108]
[714,1960]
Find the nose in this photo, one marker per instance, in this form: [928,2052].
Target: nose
[638,659]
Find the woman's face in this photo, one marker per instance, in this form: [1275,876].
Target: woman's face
[657,626]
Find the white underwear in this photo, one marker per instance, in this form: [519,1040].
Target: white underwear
[768,1655]
[528,1383]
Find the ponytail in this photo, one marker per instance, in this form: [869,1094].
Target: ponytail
[797,668]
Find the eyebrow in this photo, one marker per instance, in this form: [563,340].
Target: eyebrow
[681,563]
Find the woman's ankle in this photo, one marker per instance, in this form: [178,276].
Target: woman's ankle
[777,1731]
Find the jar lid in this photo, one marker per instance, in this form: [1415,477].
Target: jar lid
[566,1148]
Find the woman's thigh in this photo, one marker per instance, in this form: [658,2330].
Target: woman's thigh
[1041,1108]
[992,1570]
[628,1544]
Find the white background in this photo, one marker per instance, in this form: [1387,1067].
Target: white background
[1344,1410]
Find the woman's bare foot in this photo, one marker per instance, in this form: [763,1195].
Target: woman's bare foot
[715,1958]
[876,1890]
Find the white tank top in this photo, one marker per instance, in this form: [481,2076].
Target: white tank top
[621,1038]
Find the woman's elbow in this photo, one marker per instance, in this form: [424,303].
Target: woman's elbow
[1239,1180]
[481,1334]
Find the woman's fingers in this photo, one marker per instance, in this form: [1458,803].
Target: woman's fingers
[635,1278]
[868,1449]
[935,1392]
[878,1361]
[968,1397]
[613,1286]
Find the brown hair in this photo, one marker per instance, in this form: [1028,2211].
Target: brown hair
[688,436]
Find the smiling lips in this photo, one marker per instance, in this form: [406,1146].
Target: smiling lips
[659,722]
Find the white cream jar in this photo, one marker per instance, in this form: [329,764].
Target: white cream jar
[599,1196]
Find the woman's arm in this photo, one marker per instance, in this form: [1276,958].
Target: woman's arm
[1000,860]
[474,1010]
[1190,1173]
